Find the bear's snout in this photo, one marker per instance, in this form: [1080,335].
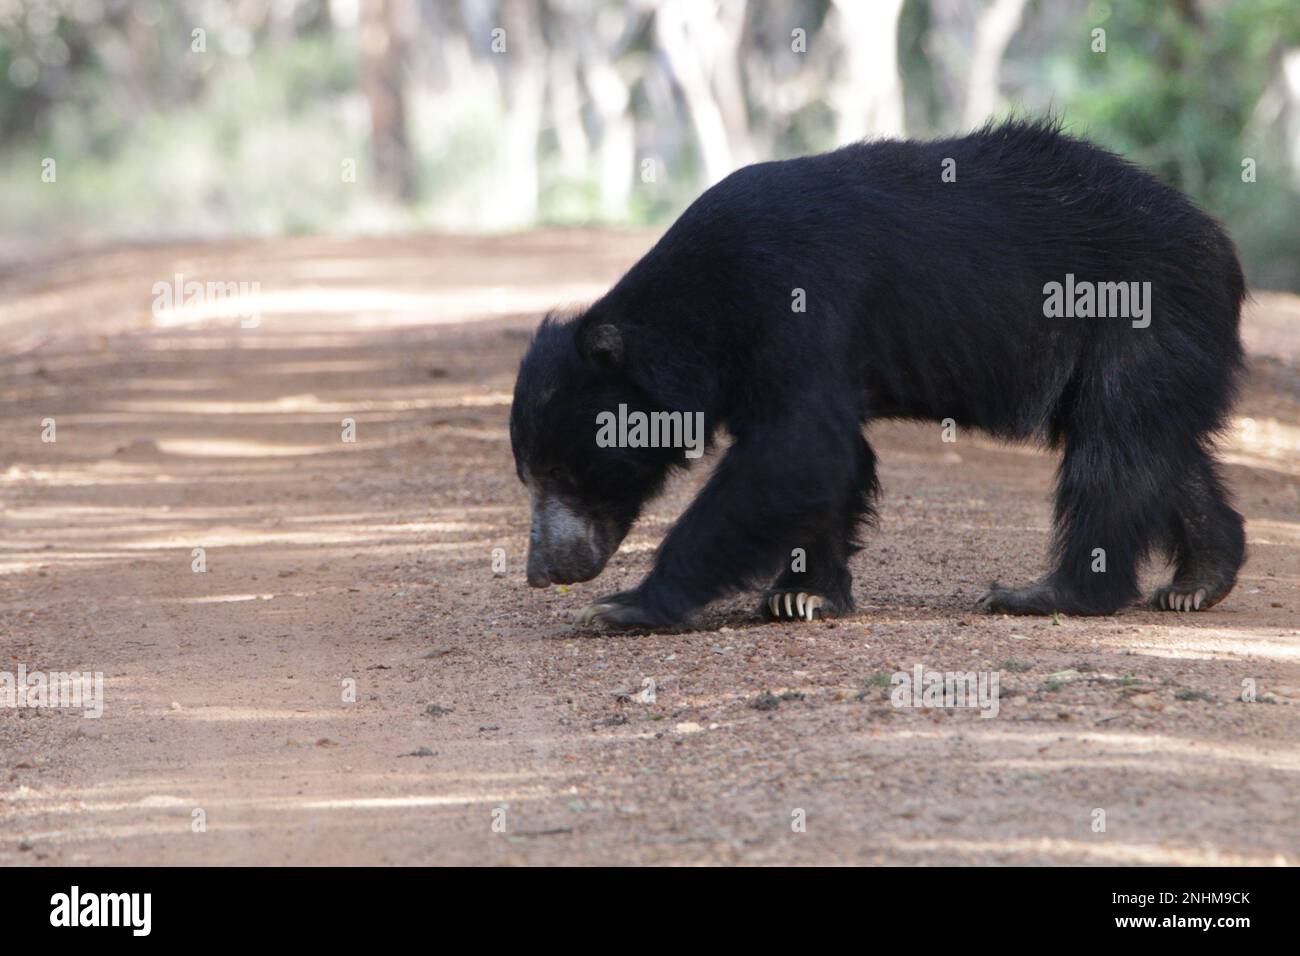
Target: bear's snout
[564,546]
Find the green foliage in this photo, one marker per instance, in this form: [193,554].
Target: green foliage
[258,150]
[1177,90]
[153,139]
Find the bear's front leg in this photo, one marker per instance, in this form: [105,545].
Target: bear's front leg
[624,609]
[738,533]
[816,581]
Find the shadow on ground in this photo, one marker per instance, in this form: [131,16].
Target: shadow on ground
[337,675]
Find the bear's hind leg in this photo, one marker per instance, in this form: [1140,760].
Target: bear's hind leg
[1111,506]
[1208,542]
[816,581]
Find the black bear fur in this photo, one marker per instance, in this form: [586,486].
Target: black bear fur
[924,300]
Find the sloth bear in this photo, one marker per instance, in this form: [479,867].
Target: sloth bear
[1015,280]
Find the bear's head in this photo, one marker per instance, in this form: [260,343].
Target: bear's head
[585,493]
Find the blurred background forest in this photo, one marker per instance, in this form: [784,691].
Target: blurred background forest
[142,119]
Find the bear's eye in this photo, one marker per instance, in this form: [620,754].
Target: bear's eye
[557,474]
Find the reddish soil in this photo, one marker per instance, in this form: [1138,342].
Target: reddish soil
[476,698]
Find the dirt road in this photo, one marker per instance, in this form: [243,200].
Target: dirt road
[484,726]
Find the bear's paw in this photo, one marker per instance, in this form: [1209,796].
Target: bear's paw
[789,605]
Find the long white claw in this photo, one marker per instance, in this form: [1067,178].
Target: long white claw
[1199,598]
[588,613]
[814,603]
[789,609]
[799,603]
[774,602]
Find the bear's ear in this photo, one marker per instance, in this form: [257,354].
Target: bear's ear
[602,345]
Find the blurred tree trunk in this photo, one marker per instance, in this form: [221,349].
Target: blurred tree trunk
[564,97]
[382,61]
[869,98]
[993,32]
[779,82]
[522,69]
[727,84]
[968,42]
[615,135]
[701,44]
[1291,110]
[589,100]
